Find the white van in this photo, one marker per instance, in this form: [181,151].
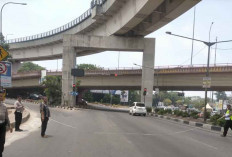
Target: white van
[138,108]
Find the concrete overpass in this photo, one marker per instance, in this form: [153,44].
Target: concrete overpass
[178,78]
[108,25]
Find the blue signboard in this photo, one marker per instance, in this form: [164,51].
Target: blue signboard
[5,75]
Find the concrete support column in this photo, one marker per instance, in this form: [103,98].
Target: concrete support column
[69,62]
[148,71]
[15,66]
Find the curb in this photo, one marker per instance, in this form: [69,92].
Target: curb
[191,123]
[24,119]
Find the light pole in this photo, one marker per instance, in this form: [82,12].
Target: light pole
[209,44]
[1,15]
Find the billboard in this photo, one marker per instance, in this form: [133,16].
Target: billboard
[5,75]
[124,96]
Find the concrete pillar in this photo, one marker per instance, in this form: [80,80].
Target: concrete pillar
[148,71]
[15,66]
[69,62]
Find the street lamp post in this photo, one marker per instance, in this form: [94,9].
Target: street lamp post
[209,44]
[1,15]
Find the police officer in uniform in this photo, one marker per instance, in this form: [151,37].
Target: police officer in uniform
[45,114]
[4,121]
[228,118]
[19,108]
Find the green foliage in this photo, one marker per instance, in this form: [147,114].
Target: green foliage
[194,114]
[29,66]
[221,95]
[157,110]
[168,111]
[178,113]
[214,119]
[221,122]
[88,67]
[161,112]
[88,96]
[134,96]
[149,109]
[185,114]
[207,115]
[53,89]
[115,99]
[179,102]
[167,102]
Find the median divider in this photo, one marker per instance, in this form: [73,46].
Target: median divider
[191,123]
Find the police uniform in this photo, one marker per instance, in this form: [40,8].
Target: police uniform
[4,121]
[18,115]
[228,123]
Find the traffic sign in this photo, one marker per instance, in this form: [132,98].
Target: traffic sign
[206,82]
[3,53]
[3,67]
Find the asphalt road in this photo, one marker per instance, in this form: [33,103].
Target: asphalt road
[90,133]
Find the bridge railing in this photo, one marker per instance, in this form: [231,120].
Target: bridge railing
[61,29]
[133,71]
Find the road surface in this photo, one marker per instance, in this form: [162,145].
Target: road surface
[90,133]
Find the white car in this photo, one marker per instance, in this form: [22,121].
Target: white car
[138,108]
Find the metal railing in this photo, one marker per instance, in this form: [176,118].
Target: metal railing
[132,71]
[63,28]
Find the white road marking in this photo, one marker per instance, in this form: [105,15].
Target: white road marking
[205,144]
[63,124]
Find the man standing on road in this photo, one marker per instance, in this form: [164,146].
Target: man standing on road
[45,114]
[4,121]
[228,118]
[18,113]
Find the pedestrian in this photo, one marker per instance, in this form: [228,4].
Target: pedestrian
[19,108]
[4,121]
[228,118]
[45,114]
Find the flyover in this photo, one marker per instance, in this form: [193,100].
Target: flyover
[107,21]
[177,78]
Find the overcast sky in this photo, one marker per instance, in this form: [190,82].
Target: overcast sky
[39,16]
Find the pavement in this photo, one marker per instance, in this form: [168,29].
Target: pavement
[11,115]
[92,133]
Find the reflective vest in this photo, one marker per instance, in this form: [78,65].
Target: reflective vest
[227,115]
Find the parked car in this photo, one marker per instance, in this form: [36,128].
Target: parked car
[35,96]
[138,108]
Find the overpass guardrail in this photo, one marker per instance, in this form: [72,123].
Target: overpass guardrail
[63,28]
[131,71]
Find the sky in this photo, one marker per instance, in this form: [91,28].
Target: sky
[39,16]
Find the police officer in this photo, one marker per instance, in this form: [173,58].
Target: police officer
[4,121]
[228,118]
[45,114]
[18,113]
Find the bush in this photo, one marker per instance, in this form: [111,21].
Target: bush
[161,112]
[178,113]
[221,122]
[168,111]
[207,115]
[157,110]
[148,109]
[185,114]
[214,119]
[194,114]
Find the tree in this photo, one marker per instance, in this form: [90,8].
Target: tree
[29,66]
[88,96]
[179,102]
[3,43]
[88,67]
[221,95]
[53,89]
[167,102]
